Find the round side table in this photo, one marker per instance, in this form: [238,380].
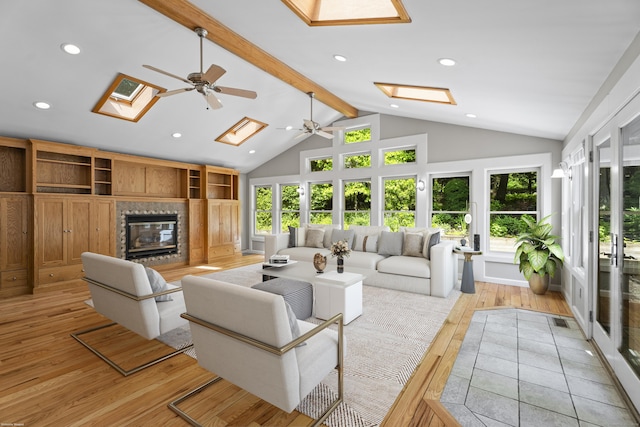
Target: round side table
[468,285]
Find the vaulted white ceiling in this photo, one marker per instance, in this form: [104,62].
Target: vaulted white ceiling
[528,67]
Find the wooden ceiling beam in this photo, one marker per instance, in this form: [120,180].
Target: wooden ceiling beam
[185,13]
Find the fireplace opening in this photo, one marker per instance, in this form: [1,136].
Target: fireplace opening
[151,235]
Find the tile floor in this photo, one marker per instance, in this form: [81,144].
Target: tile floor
[517,368]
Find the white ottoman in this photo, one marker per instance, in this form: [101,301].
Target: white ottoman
[338,293]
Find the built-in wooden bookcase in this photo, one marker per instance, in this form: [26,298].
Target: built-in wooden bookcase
[59,169]
[13,167]
[195,183]
[102,176]
[222,183]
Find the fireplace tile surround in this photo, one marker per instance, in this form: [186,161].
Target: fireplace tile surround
[124,208]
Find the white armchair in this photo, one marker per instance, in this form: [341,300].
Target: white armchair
[244,336]
[121,291]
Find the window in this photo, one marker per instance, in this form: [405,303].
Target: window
[241,131]
[512,195]
[400,203]
[357,203]
[290,207]
[263,214]
[449,204]
[349,12]
[357,135]
[357,161]
[417,93]
[398,157]
[319,165]
[321,203]
[128,98]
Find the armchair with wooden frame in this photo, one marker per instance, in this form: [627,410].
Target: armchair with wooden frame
[244,336]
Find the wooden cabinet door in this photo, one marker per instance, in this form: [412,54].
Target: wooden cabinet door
[235,223]
[226,223]
[197,231]
[213,224]
[78,229]
[14,241]
[103,226]
[51,243]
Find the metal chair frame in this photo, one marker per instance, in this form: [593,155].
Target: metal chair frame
[279,351]
[120,369]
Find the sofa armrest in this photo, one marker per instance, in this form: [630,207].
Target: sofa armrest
[444,269]
[273,243]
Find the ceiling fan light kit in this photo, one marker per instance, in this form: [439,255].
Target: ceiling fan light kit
[309,127]
[204,83]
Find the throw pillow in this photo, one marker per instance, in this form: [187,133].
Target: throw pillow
[315,238]
[158,284]
[344,235]
[296,237]
[390,243]
[293,323]
[432,238]
[412,245]
[328,231]
[366,243]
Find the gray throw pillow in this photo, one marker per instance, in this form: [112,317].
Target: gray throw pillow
[158,284]
[412,245]
[296,237]
[431,240]
[390,243]
[293,324]
[344,235]
[315,238]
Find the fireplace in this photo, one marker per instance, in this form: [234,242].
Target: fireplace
[151,235]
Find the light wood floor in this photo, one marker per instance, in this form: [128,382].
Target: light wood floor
[47,378]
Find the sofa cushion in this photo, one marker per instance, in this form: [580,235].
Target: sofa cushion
[366,243]
[359,260]
[413,244]
[314,238]
[303,253]
[343,235]
[328,231]
[158,284]
[390,243]
[406,266]
[433,238]
[297,236]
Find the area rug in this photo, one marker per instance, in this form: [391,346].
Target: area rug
[384,346]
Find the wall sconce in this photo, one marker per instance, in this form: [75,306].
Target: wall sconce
[557,173]
[421,185]
[301,190]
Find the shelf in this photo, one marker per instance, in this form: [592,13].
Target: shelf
[64,162]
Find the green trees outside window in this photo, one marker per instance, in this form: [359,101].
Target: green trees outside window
[450,201]
[512,195]
[318,165]
[263,213]
[357,203]
[400,203]
[357,135]
[398,157]
[321,203]
[357,161]
[290,207]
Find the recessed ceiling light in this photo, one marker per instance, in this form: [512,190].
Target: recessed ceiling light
[42,105]
[252,151]
[288,127]
[471,115]
[394,106]
[340,58]
[447,62]
[71,49]
[176,135]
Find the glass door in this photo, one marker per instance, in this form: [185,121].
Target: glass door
[616,302]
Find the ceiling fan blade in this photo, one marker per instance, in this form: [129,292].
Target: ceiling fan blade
[236,92]
[300,135]
[213,101]
[324,134]
[158,70]
[174,92]
[214,73]
[332,128]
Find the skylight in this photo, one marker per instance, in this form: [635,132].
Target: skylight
[241,131]
[417,93]
[349,12]
[128,98]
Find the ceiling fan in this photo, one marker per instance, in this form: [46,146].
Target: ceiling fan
[309,127]
[205,83]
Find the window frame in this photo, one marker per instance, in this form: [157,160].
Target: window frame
[385,212]
[256,232]
[433,212]
[344,211]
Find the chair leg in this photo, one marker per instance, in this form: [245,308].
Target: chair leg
[174,405]
[124,372]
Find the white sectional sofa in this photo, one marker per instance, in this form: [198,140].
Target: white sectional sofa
[373,249]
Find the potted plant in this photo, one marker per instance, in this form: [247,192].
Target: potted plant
[538,253]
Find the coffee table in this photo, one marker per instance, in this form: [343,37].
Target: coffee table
[333,292]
